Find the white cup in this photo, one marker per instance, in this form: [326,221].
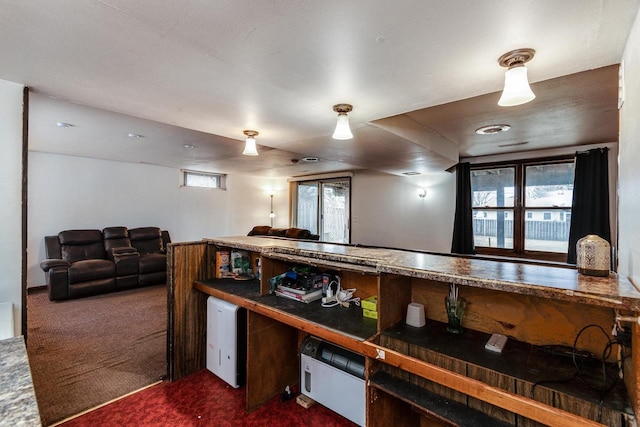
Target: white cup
[415,315]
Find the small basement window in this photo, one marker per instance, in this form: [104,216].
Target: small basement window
[204,180]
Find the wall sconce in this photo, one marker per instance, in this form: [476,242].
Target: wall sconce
[342,125]
[271,214]
[516,85]
[250,144]
[422,192]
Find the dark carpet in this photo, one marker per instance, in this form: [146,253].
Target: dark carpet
[89,351]
[202,399]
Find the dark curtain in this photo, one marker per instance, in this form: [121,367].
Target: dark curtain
[590,206]
[463,221]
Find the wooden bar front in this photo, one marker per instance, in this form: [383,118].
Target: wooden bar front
[533,305]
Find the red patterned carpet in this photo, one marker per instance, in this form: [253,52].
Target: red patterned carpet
[202,399]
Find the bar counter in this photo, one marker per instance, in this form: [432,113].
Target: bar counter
[544,281]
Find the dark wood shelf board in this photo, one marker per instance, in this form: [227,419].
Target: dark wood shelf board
[519,360]
[446,410]
[348,321]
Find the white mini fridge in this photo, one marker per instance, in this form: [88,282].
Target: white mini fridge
[227,341]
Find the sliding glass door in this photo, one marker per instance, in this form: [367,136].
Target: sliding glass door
[323,207]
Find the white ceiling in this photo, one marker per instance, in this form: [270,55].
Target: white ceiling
[219,67]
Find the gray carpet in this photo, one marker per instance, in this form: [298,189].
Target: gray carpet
[88,351]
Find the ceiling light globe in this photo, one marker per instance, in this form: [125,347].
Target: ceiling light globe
[342,127]
[516,88]
[250,147]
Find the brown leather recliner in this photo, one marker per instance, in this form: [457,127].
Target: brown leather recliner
[77,265]
[124,256]
[150,244]
[89,262]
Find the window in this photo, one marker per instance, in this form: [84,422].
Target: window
[523,208]
[203,179]
[323,207]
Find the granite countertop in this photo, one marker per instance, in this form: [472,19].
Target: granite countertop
[544,281]
[18,406]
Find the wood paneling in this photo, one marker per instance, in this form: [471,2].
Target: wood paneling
[272,359]
[187,309]
[478,389]
[495,379]
[393,297]
[632,368]
[526,318]
[384,410]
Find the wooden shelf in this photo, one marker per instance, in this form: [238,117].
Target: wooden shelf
[432,405]
[525,369]
[346,321]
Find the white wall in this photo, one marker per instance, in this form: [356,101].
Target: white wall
[629,178]
[67,192]
[386,211]
[11,109]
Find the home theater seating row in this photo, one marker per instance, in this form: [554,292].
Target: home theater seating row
[290,233]
[88,262]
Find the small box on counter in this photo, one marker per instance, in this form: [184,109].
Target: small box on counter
[240,263]
[223,261]
[370,313]
[370,303]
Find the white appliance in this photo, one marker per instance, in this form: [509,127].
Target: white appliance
[333,377]
[226,341]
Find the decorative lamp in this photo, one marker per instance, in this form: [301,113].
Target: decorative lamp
[593,256]
[342,126]
[250,145]
[272,214]
[516,85]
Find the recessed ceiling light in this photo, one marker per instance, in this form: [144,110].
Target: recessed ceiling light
[514,144]
[64,125]
[491,129]
[310,159]
[189,147]
[135,135]
[410,173]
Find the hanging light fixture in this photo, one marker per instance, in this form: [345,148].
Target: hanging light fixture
[250,144]
[516,85]
[342,126]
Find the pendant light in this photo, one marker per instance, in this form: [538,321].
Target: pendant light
[342,126]
[516,85]
[250,144]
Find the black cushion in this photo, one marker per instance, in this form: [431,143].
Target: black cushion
[91,269]
[77,245]
[115,233]
[79,237]
[115,237]
[151,263]
[280,232]
[297,233]
[259,230]
[147,240]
